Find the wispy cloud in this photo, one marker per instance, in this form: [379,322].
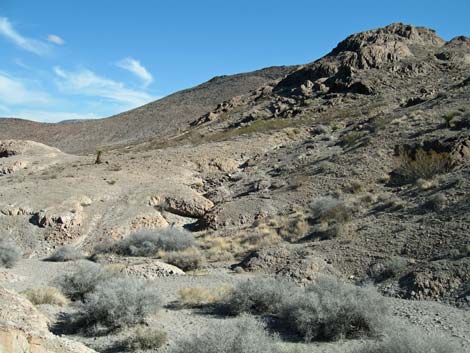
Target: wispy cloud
[53,38]
[13,91]
[29,44]
[86,82]
[134,66]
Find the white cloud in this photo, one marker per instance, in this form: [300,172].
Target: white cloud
[52,116]
[137,69]
[53,38]
[13,92]
[87,83]
[31,45]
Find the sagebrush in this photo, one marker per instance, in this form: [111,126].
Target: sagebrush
[260,295]
[327,310]
[330,310]
[411,341]
[82,280]
[118,302]
[148,242]
[188,260]
[241,335]
[146,339]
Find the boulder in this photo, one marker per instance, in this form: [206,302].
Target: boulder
[193,205]
[24,329]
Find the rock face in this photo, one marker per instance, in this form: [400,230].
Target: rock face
[193,205]
[24,329]
[372,49]
[18,155]
[293,264]
[142,267]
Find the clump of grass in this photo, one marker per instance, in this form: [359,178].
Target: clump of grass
[194,297]
[144,338]
[189,259]
[83,280]
[45,295]
[118,302]
[423,164]
[9,253]
[65,253]
[241,335]
[149,242]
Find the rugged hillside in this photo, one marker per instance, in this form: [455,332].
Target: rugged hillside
[356,165]
[161,118]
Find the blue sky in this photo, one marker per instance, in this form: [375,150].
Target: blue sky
[95,58]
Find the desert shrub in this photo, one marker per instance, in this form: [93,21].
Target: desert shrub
[149,242]
[118,302]
[352,138]
[330,310]
[331,216]
[449,118]
[389,268]
[83,280]
[241,335]
[146,339]
[354,187]
[45,295]
[436,202]
[187,260]
[260,295]
[193,297]
[330,209]
[9,253]
[422,164]
[411,341]
[65,253]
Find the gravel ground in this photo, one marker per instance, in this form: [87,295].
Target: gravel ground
[432,317]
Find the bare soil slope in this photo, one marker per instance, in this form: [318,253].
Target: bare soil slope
[161,118]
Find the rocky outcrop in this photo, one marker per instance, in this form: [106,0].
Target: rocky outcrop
[24,329]
[374,49]
[142,267]
[193,206]
[295,264]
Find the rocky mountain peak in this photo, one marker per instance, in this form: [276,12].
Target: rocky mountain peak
[373,49]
